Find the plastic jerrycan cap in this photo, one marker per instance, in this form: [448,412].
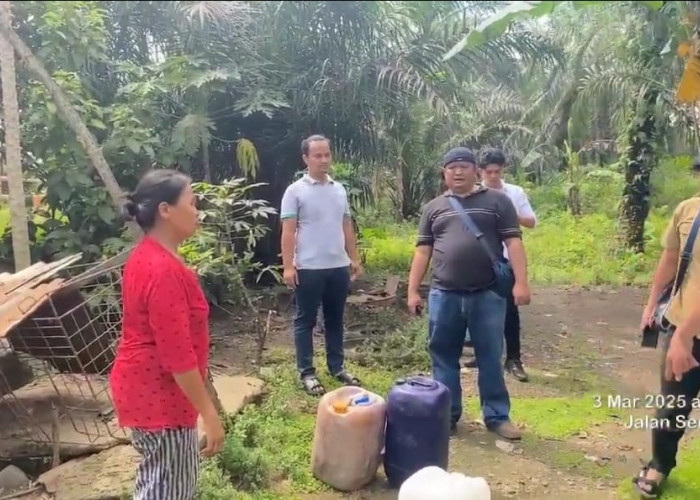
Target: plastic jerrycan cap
[411,378]
[340,407]
[362,400]
[419,380]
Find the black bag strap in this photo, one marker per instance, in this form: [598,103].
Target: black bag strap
[471,227]
[687,254]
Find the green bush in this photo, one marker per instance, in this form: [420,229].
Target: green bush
[672,182]
[213,484]
[565,249]
[389,248]
[245,467]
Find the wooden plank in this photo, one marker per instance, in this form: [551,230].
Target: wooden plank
[16,279]
[41,273]
[22,305]
[392,285]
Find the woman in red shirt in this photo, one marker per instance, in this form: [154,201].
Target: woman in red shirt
[158,377]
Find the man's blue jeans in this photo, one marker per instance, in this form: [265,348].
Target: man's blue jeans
[483,313]
[327,288]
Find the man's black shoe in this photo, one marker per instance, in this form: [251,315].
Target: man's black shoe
[515,368]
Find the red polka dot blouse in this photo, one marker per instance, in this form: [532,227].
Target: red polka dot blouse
[165,331]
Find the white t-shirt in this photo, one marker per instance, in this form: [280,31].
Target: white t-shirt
[521,202]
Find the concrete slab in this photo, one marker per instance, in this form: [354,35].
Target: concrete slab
[108,474]
[235,392]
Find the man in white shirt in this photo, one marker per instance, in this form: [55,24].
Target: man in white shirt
[492,163]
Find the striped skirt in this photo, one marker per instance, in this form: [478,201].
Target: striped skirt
[169,468]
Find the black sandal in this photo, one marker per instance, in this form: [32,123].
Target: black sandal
[348,379]
[654,487]
[313,385]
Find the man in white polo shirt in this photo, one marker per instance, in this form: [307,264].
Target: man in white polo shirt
[320,258]
[492,163]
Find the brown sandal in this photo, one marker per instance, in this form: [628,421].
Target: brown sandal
[313,385]
[348,379]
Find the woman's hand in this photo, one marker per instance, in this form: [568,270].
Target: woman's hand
[215,435]
[679,358]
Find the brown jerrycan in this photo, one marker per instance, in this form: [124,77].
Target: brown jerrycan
[349,438]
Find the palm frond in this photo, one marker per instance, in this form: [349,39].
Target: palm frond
[222,15]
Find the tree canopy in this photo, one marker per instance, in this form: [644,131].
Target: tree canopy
[229,89]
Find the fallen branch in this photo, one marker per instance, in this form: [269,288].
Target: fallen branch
[209,384]
[262,339]
[22,493]
[55,436]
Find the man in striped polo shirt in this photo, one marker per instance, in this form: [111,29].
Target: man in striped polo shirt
[462,292]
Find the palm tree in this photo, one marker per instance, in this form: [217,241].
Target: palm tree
[635,75]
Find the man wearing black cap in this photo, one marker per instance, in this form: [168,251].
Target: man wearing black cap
[464,292]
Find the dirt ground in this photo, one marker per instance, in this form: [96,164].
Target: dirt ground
[574,339]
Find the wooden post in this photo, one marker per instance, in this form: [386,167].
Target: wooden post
[19,217]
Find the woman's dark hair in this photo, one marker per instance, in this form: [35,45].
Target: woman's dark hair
[154,188]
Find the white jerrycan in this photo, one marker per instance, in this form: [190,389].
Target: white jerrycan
[433,483]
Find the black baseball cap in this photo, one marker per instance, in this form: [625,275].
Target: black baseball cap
[459,154]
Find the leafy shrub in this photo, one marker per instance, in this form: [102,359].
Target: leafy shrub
[672,182]
[389,248]
[232,224]
[245,467]
[398,349]
[214,485]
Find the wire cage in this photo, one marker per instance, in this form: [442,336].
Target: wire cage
[65,343]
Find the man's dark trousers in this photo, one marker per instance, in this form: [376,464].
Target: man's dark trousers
[512,329]
[678,397]
[327,288]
